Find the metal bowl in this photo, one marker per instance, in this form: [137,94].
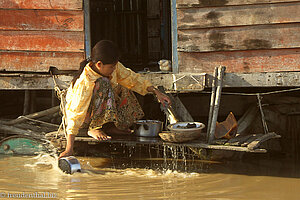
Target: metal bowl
[148,128]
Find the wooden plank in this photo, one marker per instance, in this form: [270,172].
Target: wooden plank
[238,15]
[269,79]
[29,81]
[184,113]
[177,82]
[42,4]
[231,80]
[42,41]
[39,61]
[239,38]
[255,144]
[209,3]
[36,81]
[241,61]
[41,20]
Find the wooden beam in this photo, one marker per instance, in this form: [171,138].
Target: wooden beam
[32,61]
[42,4]
[209,3]
[183,82]
[174,36]
[231,80]
[41,20]
[241,61]
[42,41]
[238,15]
[178,82]
[239,38]
[271,79]
[29,81]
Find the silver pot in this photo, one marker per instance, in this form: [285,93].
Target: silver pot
[148,128]
[69,165]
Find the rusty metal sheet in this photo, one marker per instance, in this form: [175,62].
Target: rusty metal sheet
[42,4]
[241,61]
[39,61]
[63,41]
[41,20]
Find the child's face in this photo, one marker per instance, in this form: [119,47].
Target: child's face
[106,69]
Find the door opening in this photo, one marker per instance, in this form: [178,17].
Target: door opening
[141,29]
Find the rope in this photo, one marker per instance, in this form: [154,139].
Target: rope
[61,94]
[264,123]
[255,94]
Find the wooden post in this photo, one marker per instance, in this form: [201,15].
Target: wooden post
[26,102]
[221,72]
[32,101]
[212,102]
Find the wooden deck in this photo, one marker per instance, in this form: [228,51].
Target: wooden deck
[132,141]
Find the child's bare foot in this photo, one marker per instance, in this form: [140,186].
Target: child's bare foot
[98,134]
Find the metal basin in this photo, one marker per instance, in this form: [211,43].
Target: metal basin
[148,128]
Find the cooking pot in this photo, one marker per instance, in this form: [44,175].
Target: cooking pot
[148,128]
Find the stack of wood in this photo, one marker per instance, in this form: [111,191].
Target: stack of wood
[35,125]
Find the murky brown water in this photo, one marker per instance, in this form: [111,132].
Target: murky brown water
[106,178]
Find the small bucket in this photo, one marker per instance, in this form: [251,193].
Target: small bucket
[69,165]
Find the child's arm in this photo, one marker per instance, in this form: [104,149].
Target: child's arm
[69,148]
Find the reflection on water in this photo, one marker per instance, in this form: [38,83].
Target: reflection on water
[152,178]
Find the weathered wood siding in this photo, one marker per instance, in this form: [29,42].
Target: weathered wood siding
[243,35]
[38,34]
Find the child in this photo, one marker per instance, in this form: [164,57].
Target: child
[100,99]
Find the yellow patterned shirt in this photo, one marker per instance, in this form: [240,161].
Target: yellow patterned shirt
[79,96]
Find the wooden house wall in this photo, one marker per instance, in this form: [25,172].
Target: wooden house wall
[243,35]
[38,34]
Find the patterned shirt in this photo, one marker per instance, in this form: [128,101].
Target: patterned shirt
[79,96]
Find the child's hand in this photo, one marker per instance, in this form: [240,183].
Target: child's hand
[164,99]
[66,153]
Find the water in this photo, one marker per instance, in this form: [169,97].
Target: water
[176,175]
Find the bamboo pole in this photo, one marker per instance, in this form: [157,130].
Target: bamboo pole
[19,131]
[216,107]
[212,102]
[34,115]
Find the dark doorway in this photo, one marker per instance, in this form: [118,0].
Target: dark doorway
[141,28]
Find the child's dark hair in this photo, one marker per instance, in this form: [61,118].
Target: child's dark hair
[105,51]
